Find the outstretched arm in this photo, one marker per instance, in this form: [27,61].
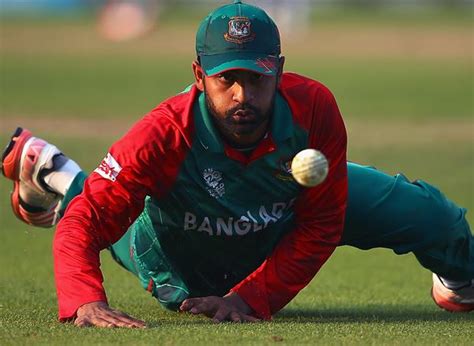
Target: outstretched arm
[144,162]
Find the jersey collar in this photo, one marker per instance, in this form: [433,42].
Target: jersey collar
[281,126]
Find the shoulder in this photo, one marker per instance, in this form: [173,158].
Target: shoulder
[171,121]
[176,111]
[300,89]
[167,128]
[291,80]
[310,101]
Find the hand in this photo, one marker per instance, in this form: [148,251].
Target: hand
[228,308]
[99,314]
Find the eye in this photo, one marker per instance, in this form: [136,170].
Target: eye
[256,77]
[226,77]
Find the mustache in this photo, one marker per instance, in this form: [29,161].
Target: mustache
[245,107]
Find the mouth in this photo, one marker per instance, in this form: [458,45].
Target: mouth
[244,117]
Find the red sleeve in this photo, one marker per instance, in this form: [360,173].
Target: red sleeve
[319,221]
[144,162]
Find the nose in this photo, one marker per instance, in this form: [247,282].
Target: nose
[242,92]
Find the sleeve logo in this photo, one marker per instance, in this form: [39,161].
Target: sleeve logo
[109,168]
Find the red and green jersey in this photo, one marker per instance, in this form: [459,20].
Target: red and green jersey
[213,219]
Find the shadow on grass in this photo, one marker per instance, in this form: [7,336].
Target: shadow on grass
[370,314]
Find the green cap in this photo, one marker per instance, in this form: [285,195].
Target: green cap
[238,36]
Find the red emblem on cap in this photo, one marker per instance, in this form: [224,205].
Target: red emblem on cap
[239,30]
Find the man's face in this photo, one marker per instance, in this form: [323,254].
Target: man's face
[241,104]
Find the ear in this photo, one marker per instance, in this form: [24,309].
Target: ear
[280,69]
[198,75]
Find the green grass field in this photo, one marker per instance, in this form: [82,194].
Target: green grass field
[404,85]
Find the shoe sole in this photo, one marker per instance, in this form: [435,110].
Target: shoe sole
[11,156]
[449,305]
[10,165]
[15,200]
[39,219]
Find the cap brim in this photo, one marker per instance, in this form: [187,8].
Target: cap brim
[256,62]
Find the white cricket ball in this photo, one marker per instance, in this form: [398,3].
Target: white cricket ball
[309,167]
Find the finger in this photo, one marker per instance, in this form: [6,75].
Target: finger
[102,323]
[106,317]
[132,323]
[109,319]
[220,315]
[118,320]
[198,305]
[124,324]
[199,308]
[82,323]
[234,316]
[129,320]
[187,304]
[136,323]
[120,313]
[248,318]
[206,308]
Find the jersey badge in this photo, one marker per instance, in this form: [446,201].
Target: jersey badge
[214,182]
[284,170]
[240,30]
[109,168]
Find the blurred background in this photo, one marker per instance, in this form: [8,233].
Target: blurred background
[80,73]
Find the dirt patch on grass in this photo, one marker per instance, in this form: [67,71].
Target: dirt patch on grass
[363,133]
[68,127]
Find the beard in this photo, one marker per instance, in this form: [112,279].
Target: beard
[240,120]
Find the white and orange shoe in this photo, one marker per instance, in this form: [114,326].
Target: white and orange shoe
[453,300]
[24,160]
